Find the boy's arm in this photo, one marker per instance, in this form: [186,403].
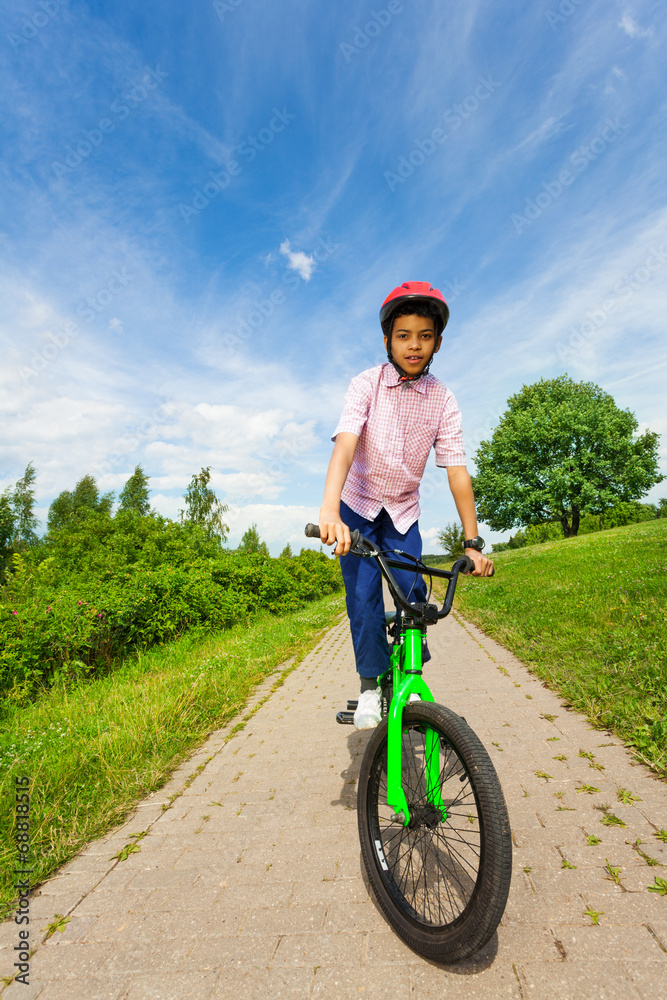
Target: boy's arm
[461,487]
[332,528]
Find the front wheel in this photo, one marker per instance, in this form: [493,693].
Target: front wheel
[442,885]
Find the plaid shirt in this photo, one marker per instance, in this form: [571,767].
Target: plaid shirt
[397,424]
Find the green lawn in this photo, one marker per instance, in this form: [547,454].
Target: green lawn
[92,752]
[589,616]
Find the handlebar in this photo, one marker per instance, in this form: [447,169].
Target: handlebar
[313,531]
[362,546]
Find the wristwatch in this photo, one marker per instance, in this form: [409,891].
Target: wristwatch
[474,543]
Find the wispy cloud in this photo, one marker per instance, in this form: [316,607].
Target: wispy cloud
[150,377]
[552,126]
[631,28]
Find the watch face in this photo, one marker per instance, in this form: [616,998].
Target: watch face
[475,543]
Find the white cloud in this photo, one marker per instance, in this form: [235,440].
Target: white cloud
[277,525]
[430,539]
[631,28]
[298,261]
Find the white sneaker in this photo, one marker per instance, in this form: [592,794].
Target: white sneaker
[368,712]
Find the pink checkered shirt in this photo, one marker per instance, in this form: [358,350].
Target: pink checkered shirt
[397,424]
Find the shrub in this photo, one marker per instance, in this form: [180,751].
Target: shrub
[107,586]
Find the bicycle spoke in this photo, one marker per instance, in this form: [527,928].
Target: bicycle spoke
[433,866]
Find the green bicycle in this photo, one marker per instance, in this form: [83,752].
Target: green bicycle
[433,823]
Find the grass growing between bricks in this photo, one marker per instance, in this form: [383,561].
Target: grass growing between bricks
[588,615]
[94,751]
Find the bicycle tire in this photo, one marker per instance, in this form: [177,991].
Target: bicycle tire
[442,886]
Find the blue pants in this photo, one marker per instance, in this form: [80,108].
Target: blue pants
[363,588]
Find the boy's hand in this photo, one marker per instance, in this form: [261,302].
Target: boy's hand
[483,566]
[332,529]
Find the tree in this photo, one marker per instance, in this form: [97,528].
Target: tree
[7,518]
[536,534]
[562,449]
[72,508]
[251,544]
[22,500]
[134,495]
[203,506]
[6,527]
[287,552]
[451,538]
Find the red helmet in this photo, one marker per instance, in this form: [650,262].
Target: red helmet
[419,291]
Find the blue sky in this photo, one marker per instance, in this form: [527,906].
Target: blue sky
[204,205]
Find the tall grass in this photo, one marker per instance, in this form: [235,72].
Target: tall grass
[589,616]
[93,751]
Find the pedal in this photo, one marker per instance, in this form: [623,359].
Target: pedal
[345,718]
[351,705]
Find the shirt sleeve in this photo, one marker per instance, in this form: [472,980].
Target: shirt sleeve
[449,447]
[355,411]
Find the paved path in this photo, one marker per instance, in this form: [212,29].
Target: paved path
[249,885]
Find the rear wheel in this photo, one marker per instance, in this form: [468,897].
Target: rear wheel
[442,885]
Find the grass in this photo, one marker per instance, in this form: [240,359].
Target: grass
[94,751]
[588,616]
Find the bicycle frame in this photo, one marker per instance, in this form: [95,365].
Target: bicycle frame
[406,668]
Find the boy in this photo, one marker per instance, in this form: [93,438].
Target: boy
[394,414]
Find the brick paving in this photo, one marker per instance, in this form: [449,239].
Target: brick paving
[249,884]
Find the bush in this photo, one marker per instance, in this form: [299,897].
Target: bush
[107,586]
[630,512]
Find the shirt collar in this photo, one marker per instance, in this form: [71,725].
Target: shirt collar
[390,378]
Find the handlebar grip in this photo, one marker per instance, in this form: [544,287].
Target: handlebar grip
[313,531]
[468,565]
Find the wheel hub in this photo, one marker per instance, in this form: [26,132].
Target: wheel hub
[426,815]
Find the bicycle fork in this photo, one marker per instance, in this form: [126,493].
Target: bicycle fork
[407,682]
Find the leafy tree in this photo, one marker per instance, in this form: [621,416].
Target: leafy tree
[630,512]
[60,512]
[538,533]
[72,508]
[451,538]
[562,449]
[251,543]
[7,519]
[287,552]
[203,507]
[661,506]
[22,500]
[134,495]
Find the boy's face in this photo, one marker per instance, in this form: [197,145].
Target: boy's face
[413,343]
